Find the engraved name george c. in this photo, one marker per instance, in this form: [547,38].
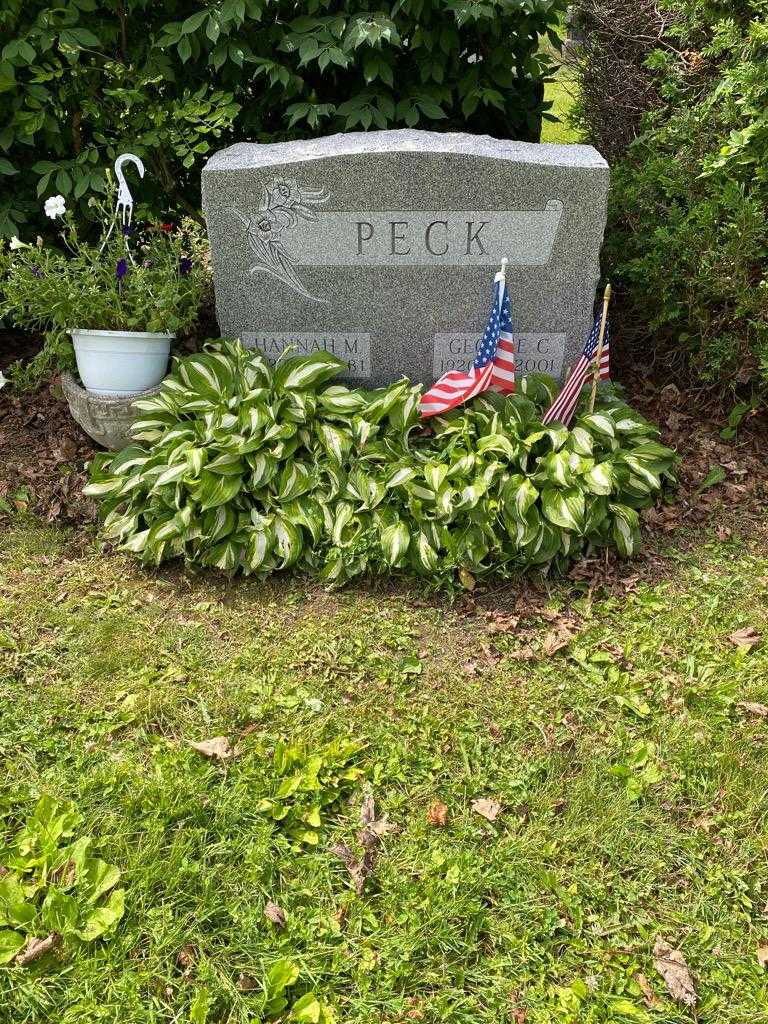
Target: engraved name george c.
[534,353]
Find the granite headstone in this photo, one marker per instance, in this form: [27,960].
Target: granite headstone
[382,247]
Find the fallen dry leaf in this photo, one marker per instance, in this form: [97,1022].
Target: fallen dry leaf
[369,837]
[438,814]
[746,637]
[355,867]
[762,954]
[671,965]
[245,983]
[36,948]
[649,996]
[274,914]
[557,640]
[185,959]
[488,809]
[750,707]
[218,748]
[523,654]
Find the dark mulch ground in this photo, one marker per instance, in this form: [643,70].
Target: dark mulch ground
[43,452]
[43,455]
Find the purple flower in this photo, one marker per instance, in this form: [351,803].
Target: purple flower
[36,271]
[121,270]
[127,230]
[185,265]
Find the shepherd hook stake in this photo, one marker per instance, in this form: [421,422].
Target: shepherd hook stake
[124,205]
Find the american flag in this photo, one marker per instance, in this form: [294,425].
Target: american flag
[563,406]
[494,365]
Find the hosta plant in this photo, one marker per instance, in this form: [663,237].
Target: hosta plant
[241,466]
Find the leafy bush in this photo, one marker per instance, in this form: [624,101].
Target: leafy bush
[686,237]
[253,468]
[171,82]
[52,885]
[147,279]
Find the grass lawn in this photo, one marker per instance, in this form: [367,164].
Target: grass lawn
[631,778]
[560,93]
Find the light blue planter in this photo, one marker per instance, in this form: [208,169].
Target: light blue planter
[121,363]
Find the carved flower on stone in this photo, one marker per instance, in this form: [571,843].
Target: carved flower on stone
[283,192]
[269,224]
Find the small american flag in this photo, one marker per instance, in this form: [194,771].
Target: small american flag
[563,406]
[494,365]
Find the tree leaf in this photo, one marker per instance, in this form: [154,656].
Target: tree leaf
[671,965]
[36,948]
[218,748]
[747,637]
[487,808]
[274,914]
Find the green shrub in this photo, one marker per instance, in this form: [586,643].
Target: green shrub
[172,81]
[687,238]
[253,468]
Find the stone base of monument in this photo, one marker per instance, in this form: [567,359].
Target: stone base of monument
[104,418]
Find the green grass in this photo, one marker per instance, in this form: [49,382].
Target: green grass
[560,93]
[546,915]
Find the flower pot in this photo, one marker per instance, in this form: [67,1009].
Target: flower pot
[121,363]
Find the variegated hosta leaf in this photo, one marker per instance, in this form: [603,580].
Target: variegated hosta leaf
[394,542]
[295,479]
[264,468]
[404,413]
[214,489]
[299,406]
[434,474]
[600,478]
[341,533]
[463,466]
[340,400]
[306,512]
[209,374]
[519,495]
[425,553]
[218,523]
[564,507]
[101,488]
[599,423]
[336,441]
[224,555]
[259,547]
[302,372]
[383,400]
[626,529]
[400,476]
[289,544]
[581,441]
[497,443]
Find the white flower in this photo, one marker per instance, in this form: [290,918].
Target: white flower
[55,207]
[3,381]
[16,244]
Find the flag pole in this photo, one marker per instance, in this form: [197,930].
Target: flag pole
[599,353]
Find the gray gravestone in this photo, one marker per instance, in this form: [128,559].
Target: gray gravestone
[382,247]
